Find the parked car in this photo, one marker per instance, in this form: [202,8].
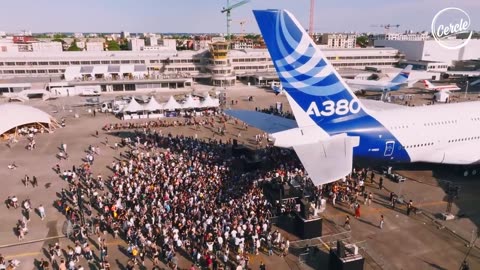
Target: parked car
[396,177]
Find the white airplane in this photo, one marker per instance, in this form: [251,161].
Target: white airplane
[333,128]
[381,86]
[432,87]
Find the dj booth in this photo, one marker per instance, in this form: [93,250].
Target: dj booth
[345,257]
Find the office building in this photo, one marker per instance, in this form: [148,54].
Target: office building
[338,40]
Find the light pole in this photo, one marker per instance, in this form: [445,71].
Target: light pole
[466,89]
[464,265]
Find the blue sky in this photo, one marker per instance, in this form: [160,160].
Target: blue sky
[196,16]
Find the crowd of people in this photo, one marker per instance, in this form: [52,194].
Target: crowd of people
[198,122]
[172,195]
[275,111]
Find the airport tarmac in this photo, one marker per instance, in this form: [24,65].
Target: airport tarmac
[406,242]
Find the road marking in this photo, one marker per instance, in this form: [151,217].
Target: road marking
[20,255]
[368,211]
[29,254]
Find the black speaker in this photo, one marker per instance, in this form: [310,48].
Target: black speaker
[235,142]
[340,249]
[286,190]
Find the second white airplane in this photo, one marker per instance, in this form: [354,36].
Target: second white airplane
[432,87]
[381,86]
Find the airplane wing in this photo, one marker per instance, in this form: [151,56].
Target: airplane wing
[267,122]
[328,160]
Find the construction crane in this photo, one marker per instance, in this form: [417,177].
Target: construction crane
[387,27]
[228,10]
[311,31]
[242,23]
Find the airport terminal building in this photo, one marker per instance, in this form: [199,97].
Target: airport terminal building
[169,68]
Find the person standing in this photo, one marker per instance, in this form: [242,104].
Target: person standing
[357,210]
[26,180]
[347,223]
[381,222]
[380,183]
[262,266]
[34,181]
[409,207]
[41,210]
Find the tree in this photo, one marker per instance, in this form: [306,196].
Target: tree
[112,45]
[59,40]
[74,47]
[60,36]
[252,36]
[362,41]
[123,44]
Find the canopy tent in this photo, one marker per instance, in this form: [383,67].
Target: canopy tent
[16,115]
[209,102]
[152,105]
[190,103]
[133,106]
[172,104]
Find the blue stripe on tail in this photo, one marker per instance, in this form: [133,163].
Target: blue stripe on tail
[312,82]
[304,71]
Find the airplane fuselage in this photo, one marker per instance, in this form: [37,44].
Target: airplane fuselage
[376,86]
[433,134]
[445,88]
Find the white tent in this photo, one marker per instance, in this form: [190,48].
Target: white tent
[172,104]
[14,115]
[209,102]
[190,103]
[133,106]
[152,105]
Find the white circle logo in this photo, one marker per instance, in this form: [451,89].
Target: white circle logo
[447,24]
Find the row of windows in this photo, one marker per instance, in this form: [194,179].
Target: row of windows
[447,122]
[438,67]
[184,69]
[32,71]
[66,63]
[419,145]
[399,127]
[249,67]
[475,119]
[359,57]
[237,60]
[464,139]
[363,64]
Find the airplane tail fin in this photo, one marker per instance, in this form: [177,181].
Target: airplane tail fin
[316,92]
[403,75]
[428,84]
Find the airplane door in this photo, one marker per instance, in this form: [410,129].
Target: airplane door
[389,147]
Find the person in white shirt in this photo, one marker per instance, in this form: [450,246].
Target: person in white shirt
[41,210]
